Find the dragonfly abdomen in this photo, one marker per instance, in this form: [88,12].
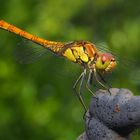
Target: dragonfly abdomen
[51,45]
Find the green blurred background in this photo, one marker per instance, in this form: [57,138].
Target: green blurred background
[36,100]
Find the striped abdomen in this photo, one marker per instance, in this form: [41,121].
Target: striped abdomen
[51,45]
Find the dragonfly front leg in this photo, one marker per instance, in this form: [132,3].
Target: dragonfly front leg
[96,77]
[79,93]
[102,78]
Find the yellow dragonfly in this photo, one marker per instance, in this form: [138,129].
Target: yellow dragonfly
[82,52]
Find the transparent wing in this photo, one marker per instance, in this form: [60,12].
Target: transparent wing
[27,52]
[120,57]
[128,67]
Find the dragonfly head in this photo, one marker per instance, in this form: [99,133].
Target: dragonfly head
[105,62]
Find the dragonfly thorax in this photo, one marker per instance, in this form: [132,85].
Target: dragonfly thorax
[81,52]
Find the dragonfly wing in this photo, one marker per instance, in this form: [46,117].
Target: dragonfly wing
[122,60]
[27,52]
[127,65]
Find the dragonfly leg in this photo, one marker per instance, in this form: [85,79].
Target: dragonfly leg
[102,78]
[89,81]
[96,77]
[79,93]
[109,86]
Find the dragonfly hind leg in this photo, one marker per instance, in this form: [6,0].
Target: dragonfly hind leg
[79,93]
[89,82]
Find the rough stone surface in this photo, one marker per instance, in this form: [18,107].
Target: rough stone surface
[112,116]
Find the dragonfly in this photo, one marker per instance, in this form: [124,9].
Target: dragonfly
[95,63]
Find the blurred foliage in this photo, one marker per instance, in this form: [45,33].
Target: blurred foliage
[36,100]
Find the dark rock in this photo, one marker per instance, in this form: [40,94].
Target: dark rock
[112,116]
